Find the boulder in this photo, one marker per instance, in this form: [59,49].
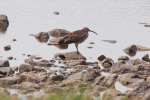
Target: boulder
[70,55]
[26,68]
[10,80]
[130,79]
[6,71]
[140,93]
[131,49]
[145,57]
[58,32]
[108,81]
[147,25]
[124,68]
[56,77]
[3,21]
[28,86]
[136,62]
[29,77]
[4,63]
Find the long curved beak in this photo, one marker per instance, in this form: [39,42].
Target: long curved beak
[93,32]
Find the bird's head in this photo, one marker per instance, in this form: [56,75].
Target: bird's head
[87,30]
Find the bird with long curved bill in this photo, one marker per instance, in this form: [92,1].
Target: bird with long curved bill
[76,37]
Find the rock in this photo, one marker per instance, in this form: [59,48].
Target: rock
[97,89]
[43,63]
[10,80]
[8,47]
[101,58]
[110,41]
[4,63]
[90,47]
[6,71]
[3,21]
[107,63]
[74,63]
[124,68]
[147,25]
[123,58]
[140,93]
[10,58]
[52,72]
[136,62]
[58,33]
[91,43]
[4,92]
[96,66]
[80,67]
[70,55]
[15,68]
[43,78]
[57,77]
[56,13]
[114,95]
[142,48]
[88,75]
[145,57]
[26,68]
[29,77]
[27,87]
[42,35]
[132,49]
[108,81]
[53,89]
[70,82]
[129,79]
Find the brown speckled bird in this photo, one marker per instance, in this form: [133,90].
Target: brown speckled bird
[76,37]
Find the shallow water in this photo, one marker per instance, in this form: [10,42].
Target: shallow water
[111,19]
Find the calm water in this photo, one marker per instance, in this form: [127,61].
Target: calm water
[111,19]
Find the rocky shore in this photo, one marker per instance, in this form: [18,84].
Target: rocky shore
[71,70]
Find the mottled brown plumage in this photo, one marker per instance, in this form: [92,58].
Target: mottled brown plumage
[76,37]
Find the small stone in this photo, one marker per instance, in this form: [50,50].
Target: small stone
[102,57]
[56,13]
[10,58]
[145,57]
[8,47]
[91,43]
[89,47]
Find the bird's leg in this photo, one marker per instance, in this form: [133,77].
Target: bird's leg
[77,48]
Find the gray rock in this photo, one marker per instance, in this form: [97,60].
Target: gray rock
[10,58]
[123,68]
[7,71]
[4,63]
[56,13]
[26,68]
[29,77]
[129,79]
[88,75]
[10,80]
